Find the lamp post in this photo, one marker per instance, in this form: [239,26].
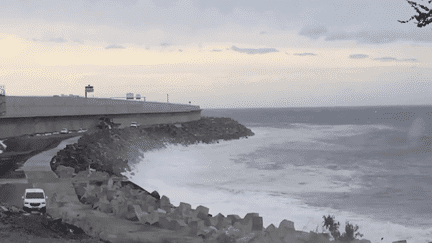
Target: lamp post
[88,89]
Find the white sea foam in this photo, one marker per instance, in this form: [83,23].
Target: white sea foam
[217,176]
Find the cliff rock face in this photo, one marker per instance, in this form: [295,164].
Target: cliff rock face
[110,150]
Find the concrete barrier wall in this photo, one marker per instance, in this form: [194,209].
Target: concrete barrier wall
[157,118]
[21,106]
[11,127]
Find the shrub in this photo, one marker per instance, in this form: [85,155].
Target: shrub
[350,230]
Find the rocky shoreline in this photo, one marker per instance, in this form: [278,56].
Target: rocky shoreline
[95,165]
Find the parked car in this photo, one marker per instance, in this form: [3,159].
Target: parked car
[48,134]
[38,135]
[134,124]
[34,199]
[55,133]
[64,131]
[82,130]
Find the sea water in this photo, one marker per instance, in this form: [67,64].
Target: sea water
[302,165]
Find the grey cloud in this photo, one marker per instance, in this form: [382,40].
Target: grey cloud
[409,60]
[254,51]
[392,59]
[58,40]
[180,50]
[313,32]
[263,32]
[385,59]
[358,56]
[216,50]
[165,44]
[115,47]
[337,36]
[381,36]
[305,54]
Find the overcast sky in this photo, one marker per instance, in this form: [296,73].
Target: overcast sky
[218,54]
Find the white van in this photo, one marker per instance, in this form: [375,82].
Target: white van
[134,124]
[34,199]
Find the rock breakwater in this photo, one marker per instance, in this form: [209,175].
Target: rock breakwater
[111,150]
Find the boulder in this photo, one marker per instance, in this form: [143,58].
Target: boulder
[257,223]
[65,172]
[249,217]
[165,203]
[193,225]
[234,218]
[155,194]
[153,218]
[208,232]
[285,227]
[270,228]
[184,209]
[142,216]
[151,201]
[201,212]
[177,224]
[89,199]
[217,221]
[164,222]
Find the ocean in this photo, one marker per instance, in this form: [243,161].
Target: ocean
[370,166]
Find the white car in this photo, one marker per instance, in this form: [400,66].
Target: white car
[48,134]
[55,133]
[134,124]
[34,199]
[64,131]
[38,135]
[82,130]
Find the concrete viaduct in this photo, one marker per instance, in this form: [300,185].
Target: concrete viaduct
[29,115]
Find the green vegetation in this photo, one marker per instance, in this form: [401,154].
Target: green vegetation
[350,230]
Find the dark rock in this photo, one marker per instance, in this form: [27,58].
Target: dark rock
[155,194]
[89,200]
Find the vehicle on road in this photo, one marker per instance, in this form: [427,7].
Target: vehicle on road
[134,124]
[48,134]
[34,199]
[55,133]
[38,135]
[64,131]
[82,130]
